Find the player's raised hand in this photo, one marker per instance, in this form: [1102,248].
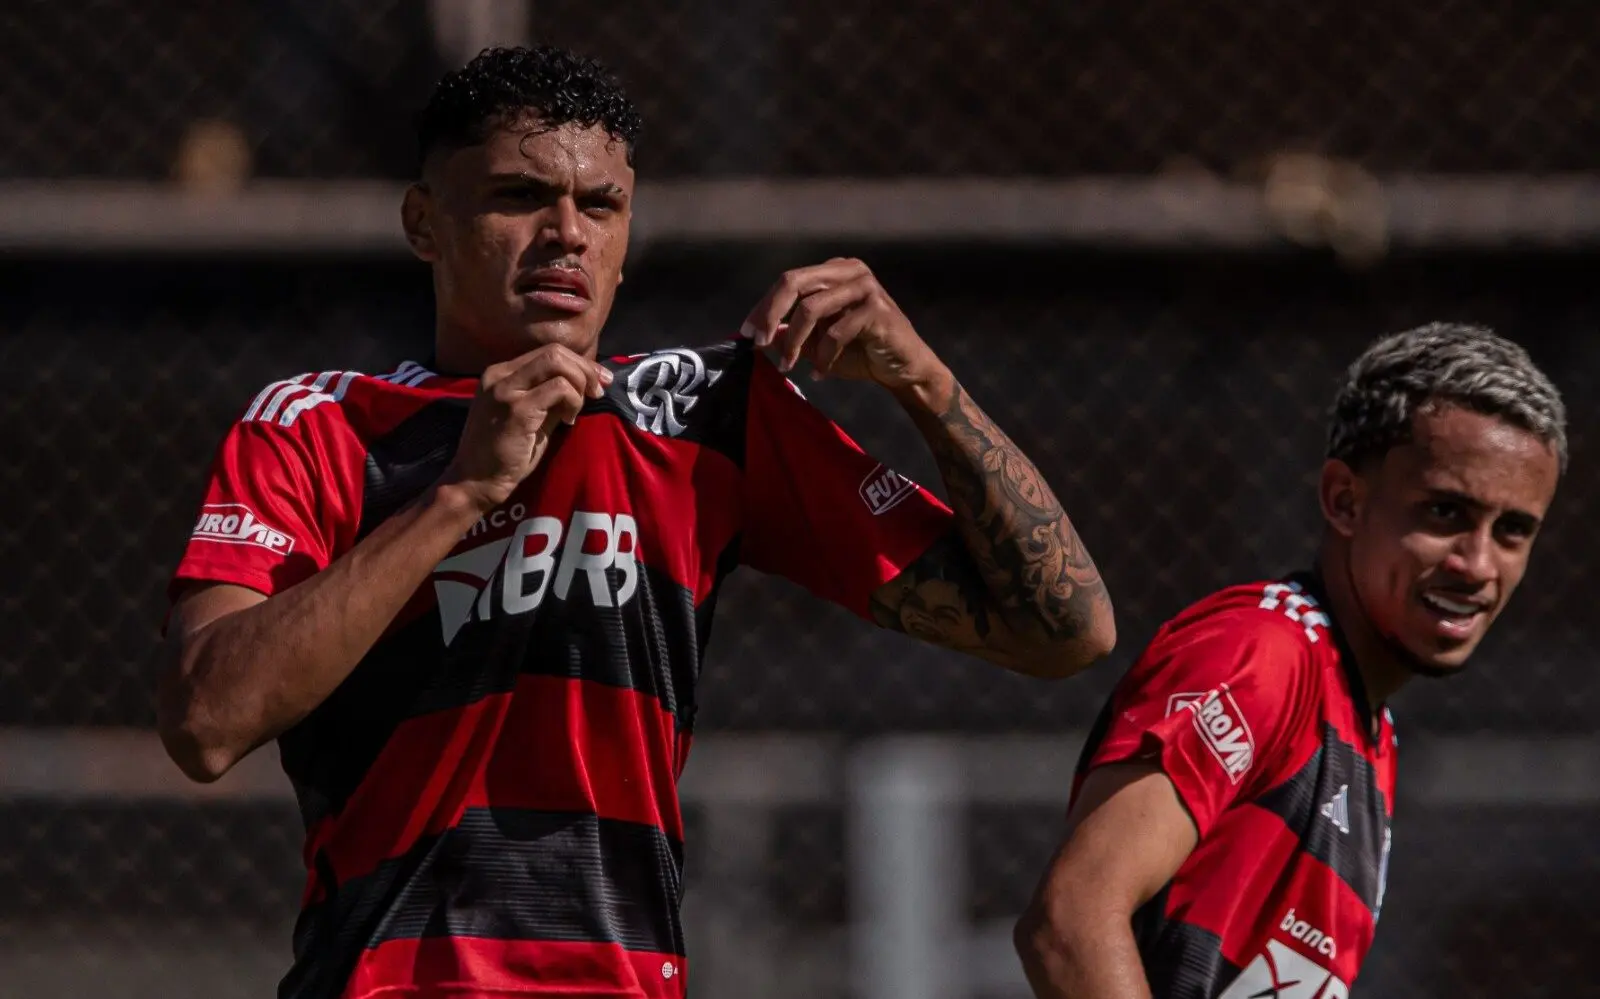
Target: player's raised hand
[838,316]
[519,405]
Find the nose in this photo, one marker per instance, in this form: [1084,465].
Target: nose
[561,227]
[1472,557]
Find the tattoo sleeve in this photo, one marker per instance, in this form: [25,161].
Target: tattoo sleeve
[1016,576]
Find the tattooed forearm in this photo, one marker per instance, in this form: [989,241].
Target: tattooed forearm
[1031,560]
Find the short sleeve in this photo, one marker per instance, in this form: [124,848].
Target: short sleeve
[820,511]
[261,522]
[1212,702]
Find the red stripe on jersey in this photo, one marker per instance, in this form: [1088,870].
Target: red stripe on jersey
[472,967]
[684,499]
[554,744]
[681,494]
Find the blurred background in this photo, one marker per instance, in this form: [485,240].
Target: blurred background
[1148,234]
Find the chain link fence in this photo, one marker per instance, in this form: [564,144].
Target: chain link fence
[1177,404]
[321,88]
[1175,401]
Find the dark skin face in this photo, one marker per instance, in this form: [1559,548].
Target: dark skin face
[526,234]
[1426,545]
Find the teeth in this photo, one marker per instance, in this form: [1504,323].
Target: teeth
[1449,606]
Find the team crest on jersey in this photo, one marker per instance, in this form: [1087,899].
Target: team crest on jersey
[663,387]
[1222,728]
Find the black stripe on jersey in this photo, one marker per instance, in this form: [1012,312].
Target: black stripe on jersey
[403,463]
[502,874]
[616,646]
[1180,961]
[409,458]
[408,673]
[1335,769]
[727,563]
[711,404]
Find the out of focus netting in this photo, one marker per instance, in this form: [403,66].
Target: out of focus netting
[318,88]
[1175,399]
[1177,406]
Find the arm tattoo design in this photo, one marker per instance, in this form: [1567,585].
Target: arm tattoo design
[1016,548]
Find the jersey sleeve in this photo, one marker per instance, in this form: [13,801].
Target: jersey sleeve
[275,511]
[820,511]
[1213,704]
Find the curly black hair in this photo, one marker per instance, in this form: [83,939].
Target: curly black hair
[556,85]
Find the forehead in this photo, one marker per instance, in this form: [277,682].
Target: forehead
[565,151]
[1483,457]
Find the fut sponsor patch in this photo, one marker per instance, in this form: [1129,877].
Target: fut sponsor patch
[236,524]
[884,489]
[1222,728]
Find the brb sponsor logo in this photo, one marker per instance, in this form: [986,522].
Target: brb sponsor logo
[542,557]
[662,389]
[235,524]
[1222,728]
[884,489]
[1284,973]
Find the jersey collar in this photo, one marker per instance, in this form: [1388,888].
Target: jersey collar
[1311,581]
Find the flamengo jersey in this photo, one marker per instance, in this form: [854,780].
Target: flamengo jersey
[490,799]
[1251,706]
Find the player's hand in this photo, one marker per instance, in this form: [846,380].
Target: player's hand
[519,405]
[842,321]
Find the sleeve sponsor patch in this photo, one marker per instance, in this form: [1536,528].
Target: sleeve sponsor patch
[236,524]
[1222,728]
[884,488]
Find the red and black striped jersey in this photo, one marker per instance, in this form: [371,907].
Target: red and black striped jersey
[490,798]
[1250,703]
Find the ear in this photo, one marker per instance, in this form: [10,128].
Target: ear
[1341,492]
[416,217]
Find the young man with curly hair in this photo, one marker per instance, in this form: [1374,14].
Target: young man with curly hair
[469,598]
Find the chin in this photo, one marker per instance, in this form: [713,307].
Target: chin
[1437,663]
[572,332]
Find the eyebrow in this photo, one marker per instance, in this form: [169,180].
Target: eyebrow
[607,187]
[1457,496]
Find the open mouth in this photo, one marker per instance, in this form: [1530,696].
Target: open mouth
[1456,615]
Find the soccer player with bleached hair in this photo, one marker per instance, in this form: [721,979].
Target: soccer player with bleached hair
[1229,831]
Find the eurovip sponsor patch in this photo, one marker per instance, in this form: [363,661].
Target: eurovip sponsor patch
[1222,728]
[236,524]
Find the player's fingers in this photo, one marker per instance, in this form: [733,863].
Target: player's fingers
[817,307]
[831,339]
[558,400]
[761,325]
[547,362]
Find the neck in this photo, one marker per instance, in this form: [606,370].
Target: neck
[466,350]
[458,350]
[1383,671]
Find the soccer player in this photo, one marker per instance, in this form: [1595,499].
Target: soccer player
[1228,834]
[469,598]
